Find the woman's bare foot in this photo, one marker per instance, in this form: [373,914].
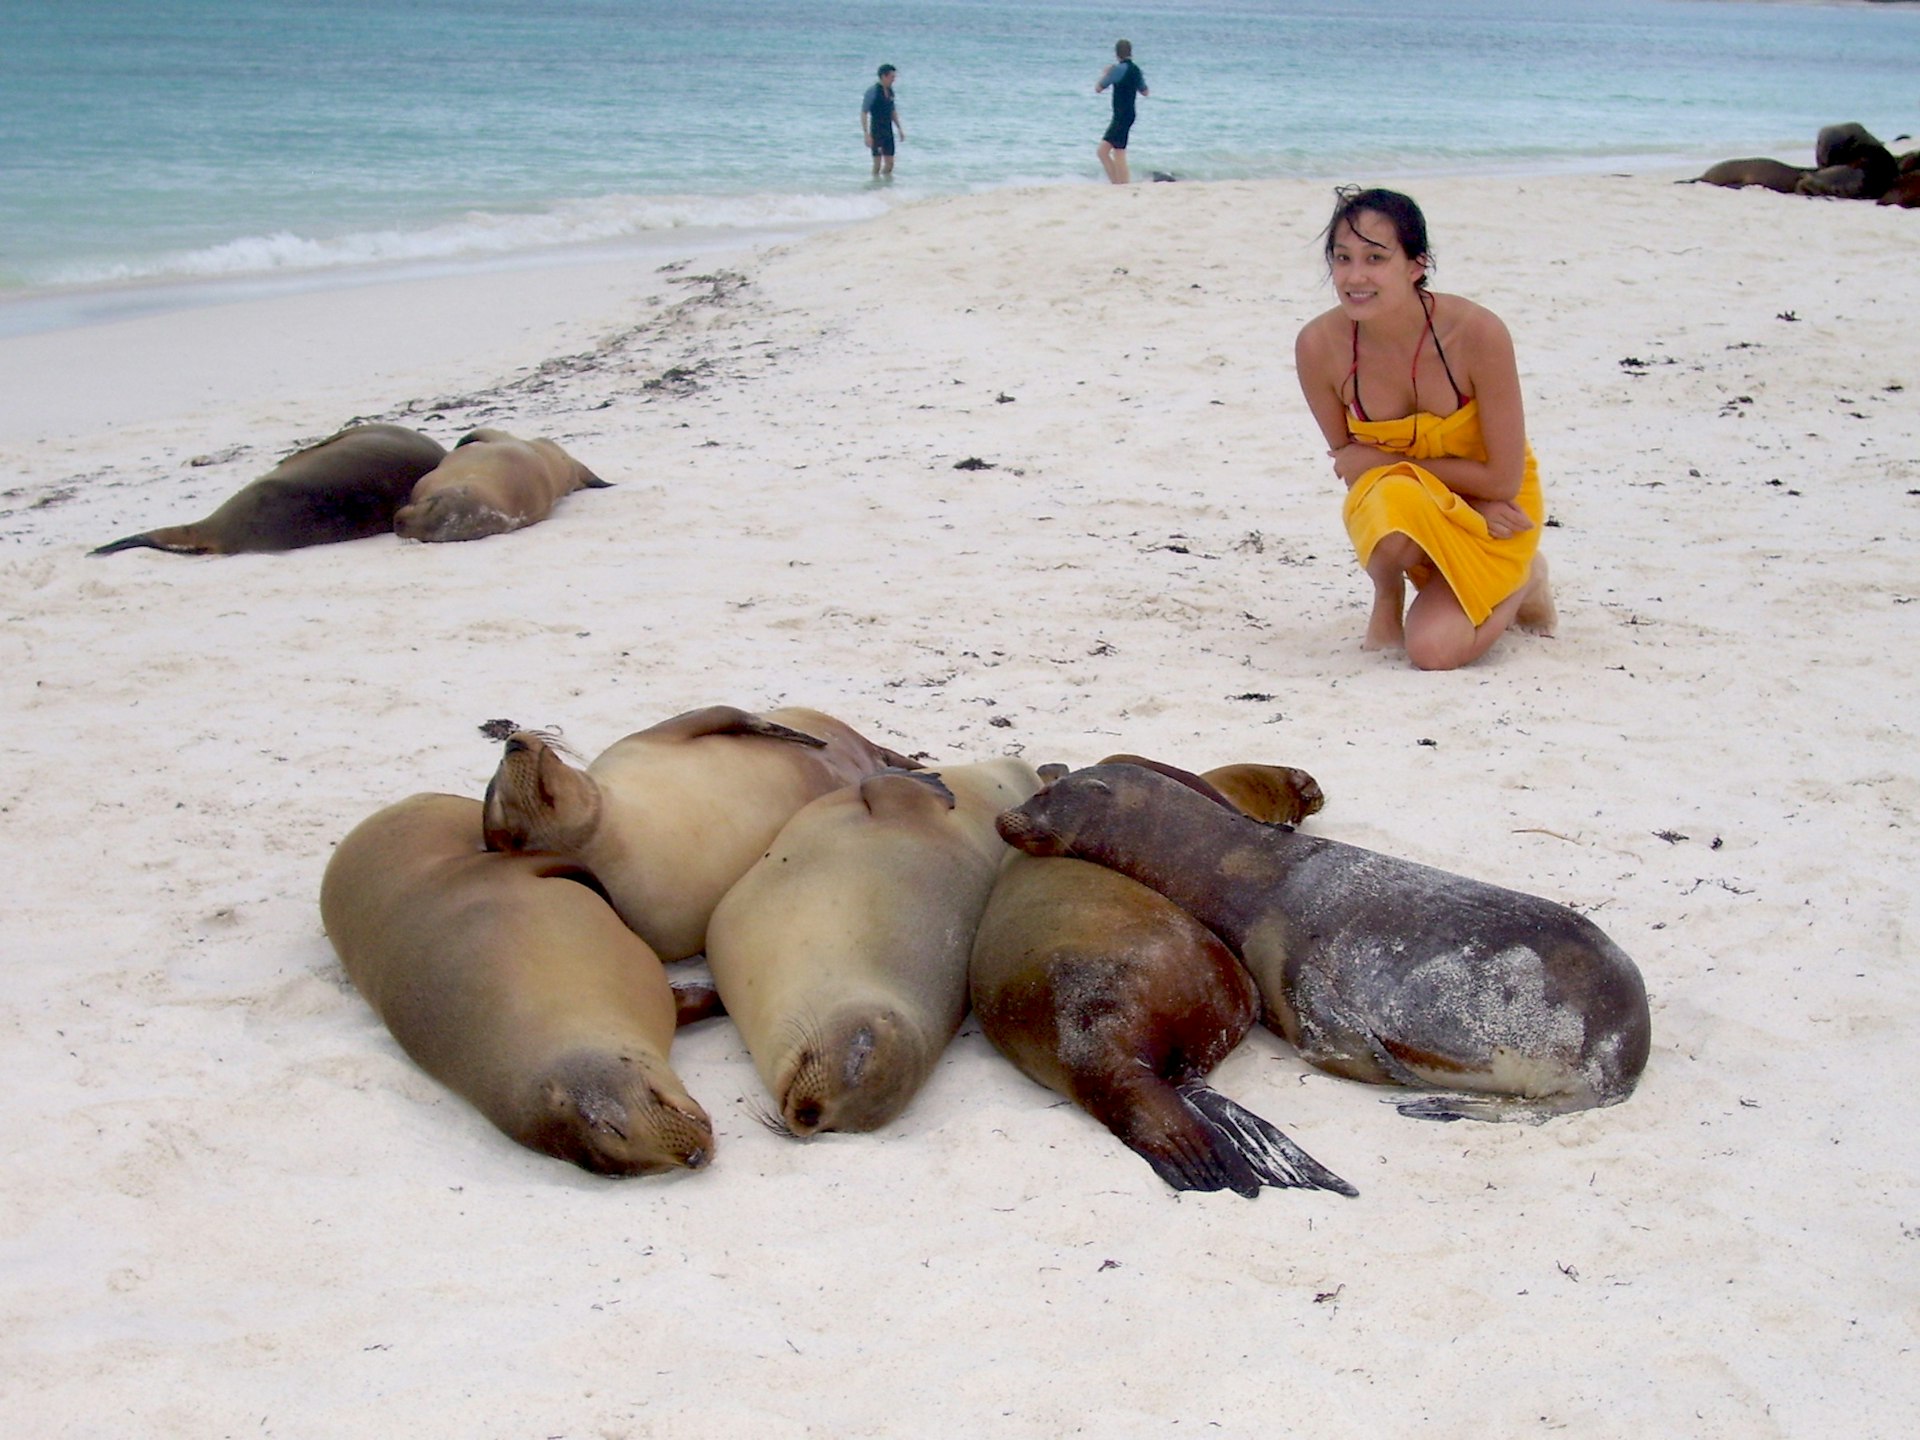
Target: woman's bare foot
[1537,613]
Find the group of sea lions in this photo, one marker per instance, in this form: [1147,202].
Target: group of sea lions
[370,479]
[1848,164]
[1117,930]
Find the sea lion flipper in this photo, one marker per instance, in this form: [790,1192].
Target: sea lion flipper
[1494,1108]
[731,720]
[899,792]
[695,1000]
[163,539]
[1264,1146]
[1161,1124]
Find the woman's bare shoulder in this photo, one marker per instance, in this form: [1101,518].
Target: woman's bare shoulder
[1321,337]
[1473,323]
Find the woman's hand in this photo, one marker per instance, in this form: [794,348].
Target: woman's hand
[1352,460]
[1503,517]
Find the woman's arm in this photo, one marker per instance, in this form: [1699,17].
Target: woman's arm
[1316,361]
[1491,375]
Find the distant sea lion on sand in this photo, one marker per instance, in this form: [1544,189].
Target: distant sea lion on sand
[1375,968]
[1851,145]
[1110,994]
[347,487]
[669,817]
[1837,182]
[1277,794]
[1905,192]
[842,954]
[491,482]
[510,981]
[1754,170]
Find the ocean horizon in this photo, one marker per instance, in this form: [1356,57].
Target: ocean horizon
[159,145]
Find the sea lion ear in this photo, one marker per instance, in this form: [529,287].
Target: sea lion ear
[1051,771]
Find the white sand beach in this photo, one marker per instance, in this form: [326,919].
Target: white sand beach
[230,1205]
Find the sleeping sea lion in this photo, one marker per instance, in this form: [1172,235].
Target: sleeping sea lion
[510,981]
[1110,994]
[1375,968]
[1754,170]
[346,487]
[669,817]
[491,482]
[842,954]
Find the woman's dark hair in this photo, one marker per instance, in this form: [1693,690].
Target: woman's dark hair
[1409,225]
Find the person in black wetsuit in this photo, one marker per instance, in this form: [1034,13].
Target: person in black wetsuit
[879,119]
[1127,82]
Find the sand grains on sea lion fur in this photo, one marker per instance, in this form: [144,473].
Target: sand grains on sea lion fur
[491,482]
[345,487]
[670,816]
[1374,968]
[511,982]
[842,954]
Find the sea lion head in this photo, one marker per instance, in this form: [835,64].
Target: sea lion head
[854,1071]
[1046,822]
[622,1114]
[537,802]
[447,515]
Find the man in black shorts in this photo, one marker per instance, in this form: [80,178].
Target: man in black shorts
[1127,82]
[879,118]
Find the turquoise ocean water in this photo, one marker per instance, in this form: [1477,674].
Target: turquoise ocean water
[151,142]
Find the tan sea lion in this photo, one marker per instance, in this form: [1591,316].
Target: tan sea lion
[669,817]
[1108,993]
[1754,170]
[491,482]
[347,487]
[1375,968]
[510,981]
[842,954]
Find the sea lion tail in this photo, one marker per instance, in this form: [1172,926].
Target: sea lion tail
[1263,1147]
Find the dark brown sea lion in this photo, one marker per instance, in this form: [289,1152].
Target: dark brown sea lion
[1754,170]
[1905,192]
[510,981]
[1106,992]
[1375,968]
[491,482]
[670,817]
[347,487]
[1855,146]
[842,954]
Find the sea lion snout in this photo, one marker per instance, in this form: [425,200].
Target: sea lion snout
[1020,829]
[856,1073]
[629,1120]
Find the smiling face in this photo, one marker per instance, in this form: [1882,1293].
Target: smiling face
[1372,271]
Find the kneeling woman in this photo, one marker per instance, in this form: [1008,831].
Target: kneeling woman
[1446,495]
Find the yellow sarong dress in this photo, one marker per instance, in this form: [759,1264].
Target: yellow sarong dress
[1480,570]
